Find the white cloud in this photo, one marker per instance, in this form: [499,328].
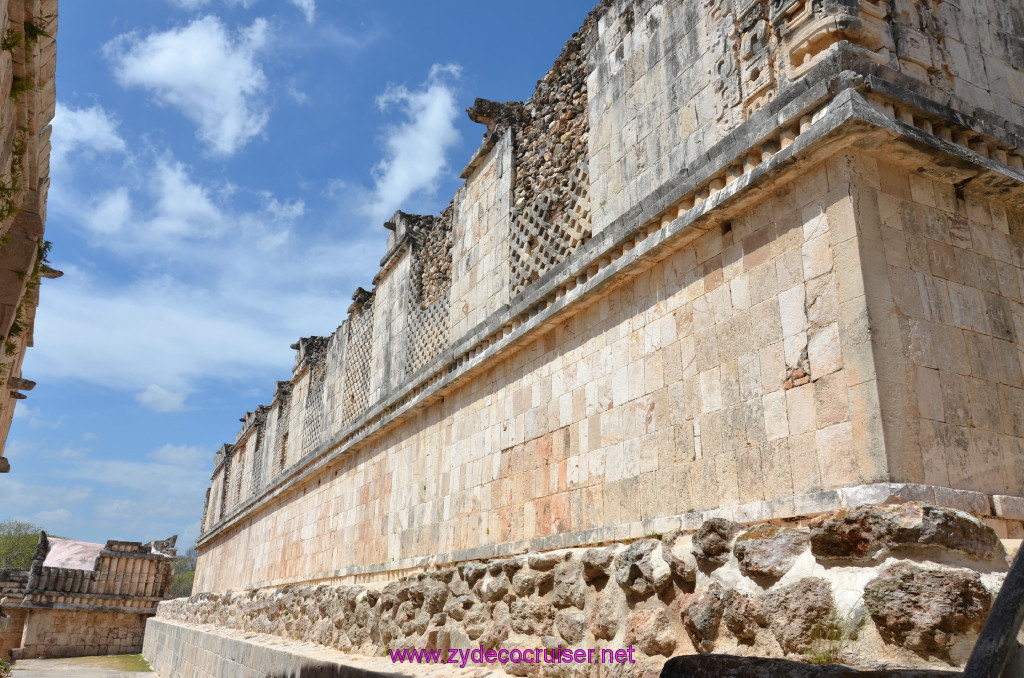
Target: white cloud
[308,8]
[183,207]
[110,213]
[90,129]
[416,148]
[160,399]
[35,417]
[182,456]
[210,76]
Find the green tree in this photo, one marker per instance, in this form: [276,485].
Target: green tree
[184,574]
[18,542]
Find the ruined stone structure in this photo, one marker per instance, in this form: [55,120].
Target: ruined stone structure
[81,599]
[28,58]
[735,266]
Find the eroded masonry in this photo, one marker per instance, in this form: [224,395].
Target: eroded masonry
[752,269]
[28,61]
[82,599]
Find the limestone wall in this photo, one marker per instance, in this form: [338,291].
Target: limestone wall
[28,56]
[946,277]
[669,80]
[704,309]
[80,633]
[666,396]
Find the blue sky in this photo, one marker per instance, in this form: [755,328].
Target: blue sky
[220,173]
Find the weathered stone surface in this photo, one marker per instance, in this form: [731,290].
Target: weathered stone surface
[499,629]
[606,616]
[702,615]
[651,631]
[542,561]
[472,571]
[870,532]
[646,567]
[531,617]
[743,614]
[494,587]
[925,610]
[569,589]
[476,622]
[712,539]
[769,551]
[597,563]
[572,626]
[524,583]
[794,612]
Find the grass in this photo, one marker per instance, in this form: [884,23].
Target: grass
[830,638]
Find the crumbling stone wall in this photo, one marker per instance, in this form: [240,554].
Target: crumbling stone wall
[907,584]
[430,290]
[551,207]
[81,633]
[82,599]
[28,57]
[714,64]
[356,396]
[732,340]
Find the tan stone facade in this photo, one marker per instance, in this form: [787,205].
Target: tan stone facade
[787,281]
[28,57]
[82,599]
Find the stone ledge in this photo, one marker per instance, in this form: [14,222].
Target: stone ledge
[1008,506]
[181,651]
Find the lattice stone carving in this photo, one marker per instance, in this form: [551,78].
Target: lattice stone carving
[429,290]
[551,212]
[358,358]
[428,332]
[313,426]
[284,408]
[550,228]
[259,462]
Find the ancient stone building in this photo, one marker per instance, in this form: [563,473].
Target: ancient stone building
[736,277]
[81,599]
[28,57]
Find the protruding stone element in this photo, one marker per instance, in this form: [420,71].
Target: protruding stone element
[476,623]
[927,610]
[495,114]
[712,539]
[472,571]
[597,563]
[647,567]
[769,551]
[743,614]
[651,631]
[20,384]
[499,629]
[870,533]
[569,589]
[572,626]
[542,561]
[794,612]
[531,617]
[606,617]
[494,587]
[702,616]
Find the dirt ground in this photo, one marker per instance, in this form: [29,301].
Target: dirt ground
[122,666]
